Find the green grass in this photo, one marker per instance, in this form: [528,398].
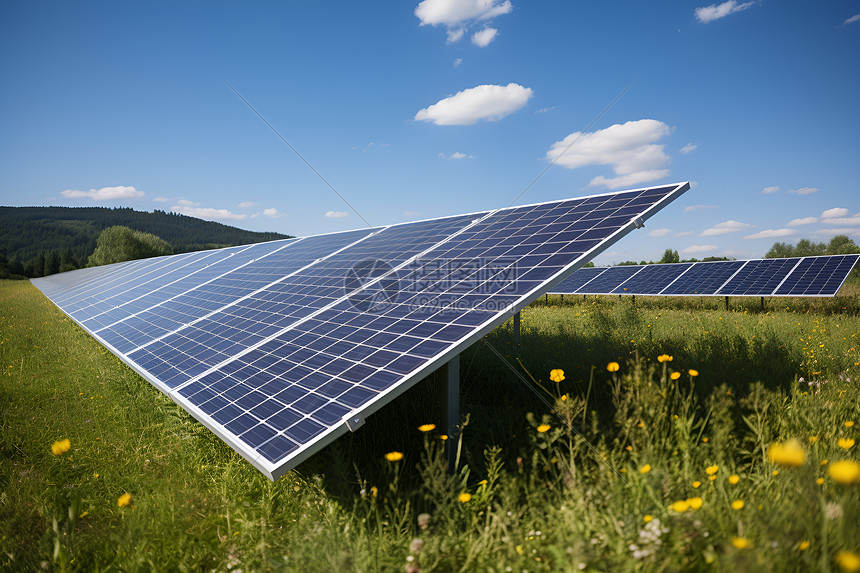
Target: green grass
[571,498]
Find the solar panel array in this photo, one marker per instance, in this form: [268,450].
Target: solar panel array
[274,346]
[799,276]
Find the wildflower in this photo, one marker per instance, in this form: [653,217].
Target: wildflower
[613,367]
[733,479]
[423,521]
[426,428]
[464,497]
[820,481]
[556,375]
[712,478]
[845,472]
[845,443]
[647,518]
[705,439]
[738,504]
[789,454]
[675,375]
[416,546]
[645,469]
[543,428]
[394,456]
[804,545]
[823,462]
[664,358]
[680,506]
[775,473]
[740,542]
[813,439]
[520,549]
[696,484]
[692,372]
[628,448]
[124,500]
[374,491]
[849,424]
[443,437]
[848,560]
[60,447]
[711,470]
[640,424]
[695,502]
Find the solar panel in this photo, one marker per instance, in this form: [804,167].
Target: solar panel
[803,276]
[274,347]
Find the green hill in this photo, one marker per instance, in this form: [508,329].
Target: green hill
[36,241]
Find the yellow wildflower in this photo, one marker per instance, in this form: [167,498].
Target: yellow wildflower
[464,497]
[740,542]
[680,506]
[696,484]
[61,447]
[845,472]
[705,439]
[813,439]
[733,479]
[804,545]
[443,437]
[849,424]
[426,427]
[820,481]
[645,469]
[738,504]
[556,375]
[613,367]
[695,502]
[845,443]
[124,500]
[675,375]
[664,358]
[647,518]
[789,454]
[374,491]
[711,470]
[394,456]
[848,560]
[543,428]
[712,478]
[692,372]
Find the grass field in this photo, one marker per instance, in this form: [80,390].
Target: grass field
[737,453]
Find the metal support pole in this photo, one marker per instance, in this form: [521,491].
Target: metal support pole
[562,298]
[762,303]
[633,298]
[727,303]
[517,328]
[451,410]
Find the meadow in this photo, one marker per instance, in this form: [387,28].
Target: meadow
[621,435]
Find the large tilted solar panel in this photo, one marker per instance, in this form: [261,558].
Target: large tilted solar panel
[275,346]
[799,276]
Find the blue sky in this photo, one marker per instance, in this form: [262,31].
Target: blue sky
[412,111]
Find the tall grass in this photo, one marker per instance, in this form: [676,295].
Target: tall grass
[625,470]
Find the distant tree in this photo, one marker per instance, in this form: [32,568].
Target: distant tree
[842,245]
[780,251]
[670,256]
[807,248]
[118,244]
[589,264]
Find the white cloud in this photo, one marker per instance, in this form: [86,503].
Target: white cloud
[713,12]
[545,109]
[455,35]
[485,102]
[483,37]
[689,148]
[684,234]
[336,214]
[629,148]
[692,208]
[206,212]
[847,221]
[838,231]
[692,249]
[247,204]
[186,203]
[456,155]
[457,62]
[852,19]
[274,213]
[161,199]
[802,221]
[771,233]
[659,232]
[454,13]
[835,212]
[104,194]
[769,190]
[803,190]
[725,227]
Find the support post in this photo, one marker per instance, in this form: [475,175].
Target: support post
[727,303]
[762,304]
[633,298]
[562,298]
[517,329]
[451,411]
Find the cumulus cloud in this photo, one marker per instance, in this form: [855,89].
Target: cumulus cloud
[803,190]
[456,155]
[725,227]
[771,233]
[684,234]
[103,194]
[835,212]
[484,102]
[802,221]
[713,12]
[182,202]
[629,148]
[838,231]
[692,249]
[247,204]
[689,148]
[852,19]
[769,190]
[840,216]
[274,213]
[161,199]
[659,232]
[483,37]
[336,214]
[187,208]
[692,208]
[459,15]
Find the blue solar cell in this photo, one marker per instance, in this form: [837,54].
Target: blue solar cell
[608,280]
[651,279]
[703,278]
[817,276]
[576,280]
[759,277]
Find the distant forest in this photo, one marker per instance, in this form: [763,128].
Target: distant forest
[38,241]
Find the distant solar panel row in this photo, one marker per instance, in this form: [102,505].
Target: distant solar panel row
[801,276]
[274,346]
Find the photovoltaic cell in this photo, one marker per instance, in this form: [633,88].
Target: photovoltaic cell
[759,278]
[609,280]
[651,279]
[703,278]
[275,354]
[818,276]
